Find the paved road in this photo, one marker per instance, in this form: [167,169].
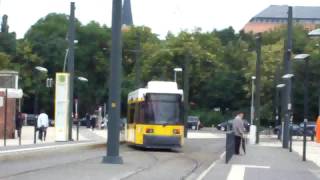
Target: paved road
[85,163]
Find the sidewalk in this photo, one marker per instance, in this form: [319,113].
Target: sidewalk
[86,136]
[267,161]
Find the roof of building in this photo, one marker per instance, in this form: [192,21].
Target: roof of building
[298,12]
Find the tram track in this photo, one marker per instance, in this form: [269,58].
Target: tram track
[158,163]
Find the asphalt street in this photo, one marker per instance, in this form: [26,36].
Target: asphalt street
[86,162]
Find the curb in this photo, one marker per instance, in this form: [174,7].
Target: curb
[56,146]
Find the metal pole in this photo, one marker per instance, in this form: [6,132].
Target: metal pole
[258,79]
[71,65]
[186,92]
[306,107]
[5,116]
[288,82]
[252,101]
[76,116]
[35,112]
[112,156]
[175,76]
[138,65]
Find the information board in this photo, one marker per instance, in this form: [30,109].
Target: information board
[61,106]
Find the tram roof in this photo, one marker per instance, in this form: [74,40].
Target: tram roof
[164,87]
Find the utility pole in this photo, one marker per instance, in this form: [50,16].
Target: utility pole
[186,91]
[112,156]
[287,68]
[258,86]
[71,65]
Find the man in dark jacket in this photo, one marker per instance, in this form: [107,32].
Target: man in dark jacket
[19,122]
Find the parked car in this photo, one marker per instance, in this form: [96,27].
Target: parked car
[297,130]
[193,122]
[227,125]
[224,126]
[31,119]
[83,121]
[311,127]
[51,122]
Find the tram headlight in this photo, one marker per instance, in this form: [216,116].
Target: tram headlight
[149,130]
[176,131]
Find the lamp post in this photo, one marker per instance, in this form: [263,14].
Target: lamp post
[175,73]
[305,57]
[279,108]
[252,99]
[316,33]
[81,79]
[35,105]
[258,76]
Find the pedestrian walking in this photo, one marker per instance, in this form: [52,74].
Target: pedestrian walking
[238,129]
[42,123]
[19,123]
[93,121]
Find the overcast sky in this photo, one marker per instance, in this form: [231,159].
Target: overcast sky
[161,15]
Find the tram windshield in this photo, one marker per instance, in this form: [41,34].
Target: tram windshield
[163,109]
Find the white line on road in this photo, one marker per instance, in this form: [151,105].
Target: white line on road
[237,171]
[205,172]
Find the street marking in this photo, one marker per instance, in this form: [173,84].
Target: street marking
[205,172]
[237,171]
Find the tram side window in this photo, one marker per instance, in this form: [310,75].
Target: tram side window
[131,113]
[136,113]
[141,112]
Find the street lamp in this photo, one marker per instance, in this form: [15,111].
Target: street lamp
[175,73]
[41,69]
[316,33]
[279,108]
[81,79]
[35,105]
[305,58]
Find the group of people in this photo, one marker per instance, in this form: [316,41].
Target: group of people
[42,123]
[96,120]
[91,121]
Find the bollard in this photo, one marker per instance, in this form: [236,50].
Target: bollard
[304,140]
[35,133]
[290,136]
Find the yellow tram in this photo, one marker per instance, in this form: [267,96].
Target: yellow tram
[155,116]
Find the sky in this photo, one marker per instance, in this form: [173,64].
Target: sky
[160,15]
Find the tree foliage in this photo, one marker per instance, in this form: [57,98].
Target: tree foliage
[221,65]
